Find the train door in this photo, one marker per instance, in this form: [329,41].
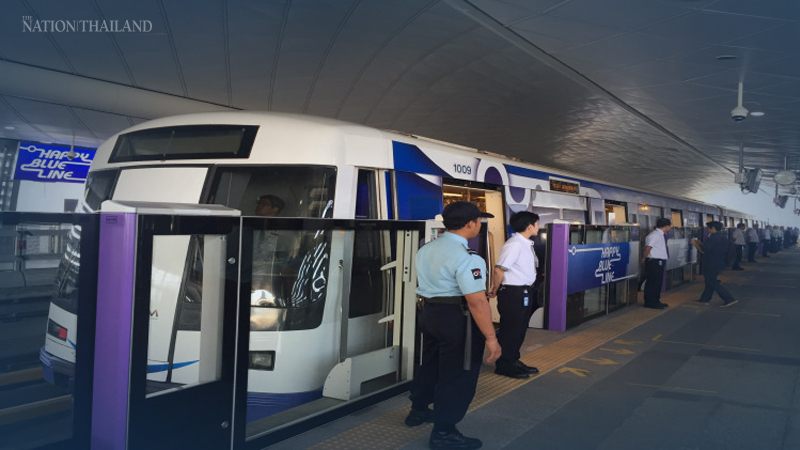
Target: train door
[370,293]
[493,231]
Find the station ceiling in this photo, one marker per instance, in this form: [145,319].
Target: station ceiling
[635,92]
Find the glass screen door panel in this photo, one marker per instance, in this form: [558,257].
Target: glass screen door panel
[184,338]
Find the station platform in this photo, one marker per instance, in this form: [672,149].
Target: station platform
[691,376]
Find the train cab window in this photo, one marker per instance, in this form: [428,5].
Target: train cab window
[289,267]
[293,191]
[98,187]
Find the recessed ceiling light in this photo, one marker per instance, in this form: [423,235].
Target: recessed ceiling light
[11,128]
[757,113]
[725,57]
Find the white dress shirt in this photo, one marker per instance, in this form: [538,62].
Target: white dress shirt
[518,261]
[658,246]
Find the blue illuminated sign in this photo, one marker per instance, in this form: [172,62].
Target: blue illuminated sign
[594,265]
[52,163]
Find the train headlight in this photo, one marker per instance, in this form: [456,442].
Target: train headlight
[262,360]
[56,330]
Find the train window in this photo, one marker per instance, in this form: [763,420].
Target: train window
[366,195]
[622,234]
[292,191]
[367,287]
[594,235]
[289,281]
[185,142]
[573,215]
[99,185]
[98,188]
[546,215]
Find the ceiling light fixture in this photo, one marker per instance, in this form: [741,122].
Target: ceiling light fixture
[784,177]
[10,128]
[757,113]
[725,57]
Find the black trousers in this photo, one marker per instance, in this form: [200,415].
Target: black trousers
[441,379]
[752,247]
[514,318]
[765,248]
[713,285]
[654,271]
[738,256]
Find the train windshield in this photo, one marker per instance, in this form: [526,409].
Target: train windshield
[99,185]
[185,142]
[289,267]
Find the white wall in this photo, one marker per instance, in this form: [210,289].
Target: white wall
[35,196]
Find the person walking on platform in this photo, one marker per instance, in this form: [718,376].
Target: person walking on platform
[752,242]
[654,259]
[455,320]
[737,238]
[512,283]
[714,250]
[767,239]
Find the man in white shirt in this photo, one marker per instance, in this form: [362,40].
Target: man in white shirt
[654,258]
[512,282]
[737,237]
[752,242]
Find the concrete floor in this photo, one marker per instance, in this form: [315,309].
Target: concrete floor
[688,377]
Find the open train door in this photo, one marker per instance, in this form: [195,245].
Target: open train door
[364,370]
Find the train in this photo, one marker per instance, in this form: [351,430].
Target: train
[308,167]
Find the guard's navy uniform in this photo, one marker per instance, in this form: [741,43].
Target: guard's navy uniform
[447,269]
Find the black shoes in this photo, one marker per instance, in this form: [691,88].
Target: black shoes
[524,368]
[453,440]
[703,302]
[658,306]
[664,305]
[419,416]
[511,370]
[726,304]
[737,268]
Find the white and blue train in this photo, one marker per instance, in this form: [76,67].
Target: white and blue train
[317,168]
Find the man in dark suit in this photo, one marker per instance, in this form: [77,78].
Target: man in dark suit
[714,250]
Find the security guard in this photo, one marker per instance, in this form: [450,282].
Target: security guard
[452,284]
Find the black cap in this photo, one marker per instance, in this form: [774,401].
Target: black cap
[462,212]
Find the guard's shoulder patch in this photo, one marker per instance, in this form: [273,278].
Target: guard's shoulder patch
[471,251]
[476,274]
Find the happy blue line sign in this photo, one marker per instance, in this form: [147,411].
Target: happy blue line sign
[52,163]
[594,265]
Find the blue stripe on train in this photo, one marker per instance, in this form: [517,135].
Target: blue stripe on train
[260,404]
[154,368]
[409,158]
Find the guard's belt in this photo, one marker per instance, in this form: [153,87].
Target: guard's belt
[445,300]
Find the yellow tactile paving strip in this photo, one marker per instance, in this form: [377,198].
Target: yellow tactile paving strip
[389,432]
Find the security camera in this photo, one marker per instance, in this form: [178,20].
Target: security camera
[739,113]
